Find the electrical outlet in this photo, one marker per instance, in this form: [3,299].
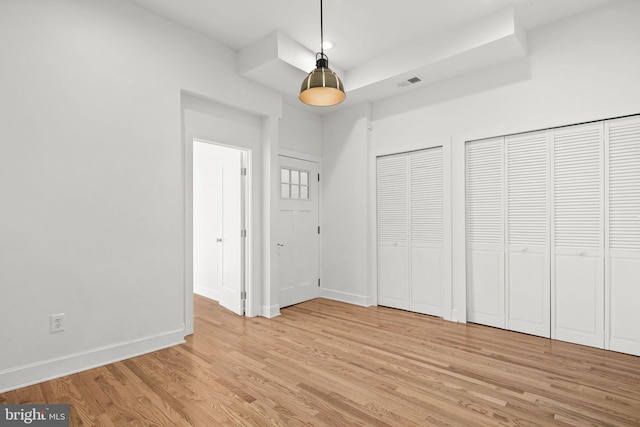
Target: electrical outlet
[57,322]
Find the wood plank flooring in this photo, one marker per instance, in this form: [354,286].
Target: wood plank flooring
[325,363]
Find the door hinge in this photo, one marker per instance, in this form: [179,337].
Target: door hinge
[243,171]
[243,233]
[318,229]
[243,295]
[318,282]
[318,177]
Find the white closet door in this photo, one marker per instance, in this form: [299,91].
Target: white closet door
[623,269]
[485,232]
[578,258]
[528,253]
[393,220]
[426,231]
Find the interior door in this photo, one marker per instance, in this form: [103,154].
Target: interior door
[207,218]
[393,232]
[485,232]
[623,264]
[528,256]
[232,239]
[578,234]
[298,232]
[427,222]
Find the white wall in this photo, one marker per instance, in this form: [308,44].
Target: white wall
[91,178]
[579,69]
[346,213]
[300,131]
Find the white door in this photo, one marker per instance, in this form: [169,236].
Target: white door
[623,208]
[298,232]
[528,252]
[410,231]
[207,218]
[485,232]
[232,239]
[427,223]
[577,267]
[393,237]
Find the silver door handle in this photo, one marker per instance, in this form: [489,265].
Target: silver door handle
[219,240]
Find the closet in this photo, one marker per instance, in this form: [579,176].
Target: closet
[410,230]
[553,233]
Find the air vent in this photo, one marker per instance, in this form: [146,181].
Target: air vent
[408,82]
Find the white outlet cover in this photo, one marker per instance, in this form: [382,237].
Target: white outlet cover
[57,322]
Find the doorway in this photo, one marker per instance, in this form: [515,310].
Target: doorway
[219,218]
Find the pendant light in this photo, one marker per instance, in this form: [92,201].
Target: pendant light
[322,87]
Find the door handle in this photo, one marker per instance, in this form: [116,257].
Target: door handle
[219,240]
[280,244]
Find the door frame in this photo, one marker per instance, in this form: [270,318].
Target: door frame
[246,285]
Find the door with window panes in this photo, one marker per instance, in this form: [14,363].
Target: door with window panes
[297,240]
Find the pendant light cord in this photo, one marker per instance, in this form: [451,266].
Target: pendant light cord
[321,32]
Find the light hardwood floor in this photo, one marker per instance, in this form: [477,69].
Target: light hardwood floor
[324,363]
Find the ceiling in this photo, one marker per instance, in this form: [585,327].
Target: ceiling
[378,43]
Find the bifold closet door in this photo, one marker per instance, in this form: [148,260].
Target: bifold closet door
[426,218]
[393,231]
[528,251]
[410,231]
[578,232]
[485,232]
[623,262]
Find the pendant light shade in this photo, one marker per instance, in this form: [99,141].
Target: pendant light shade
[322,87]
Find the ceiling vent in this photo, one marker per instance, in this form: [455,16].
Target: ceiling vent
[409,82]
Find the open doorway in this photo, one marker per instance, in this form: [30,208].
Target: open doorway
[219,199]
[219,218]
[212,124]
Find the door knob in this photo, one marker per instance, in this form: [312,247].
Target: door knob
[219,240]
[280,244]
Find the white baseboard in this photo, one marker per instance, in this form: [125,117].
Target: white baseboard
[347,297]
[22,376]
[270,311]
[206,292]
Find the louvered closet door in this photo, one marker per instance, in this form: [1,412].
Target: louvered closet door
[528,252]
[578,229]
[623,275]
[426,218]
[393,230]
[485,232]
